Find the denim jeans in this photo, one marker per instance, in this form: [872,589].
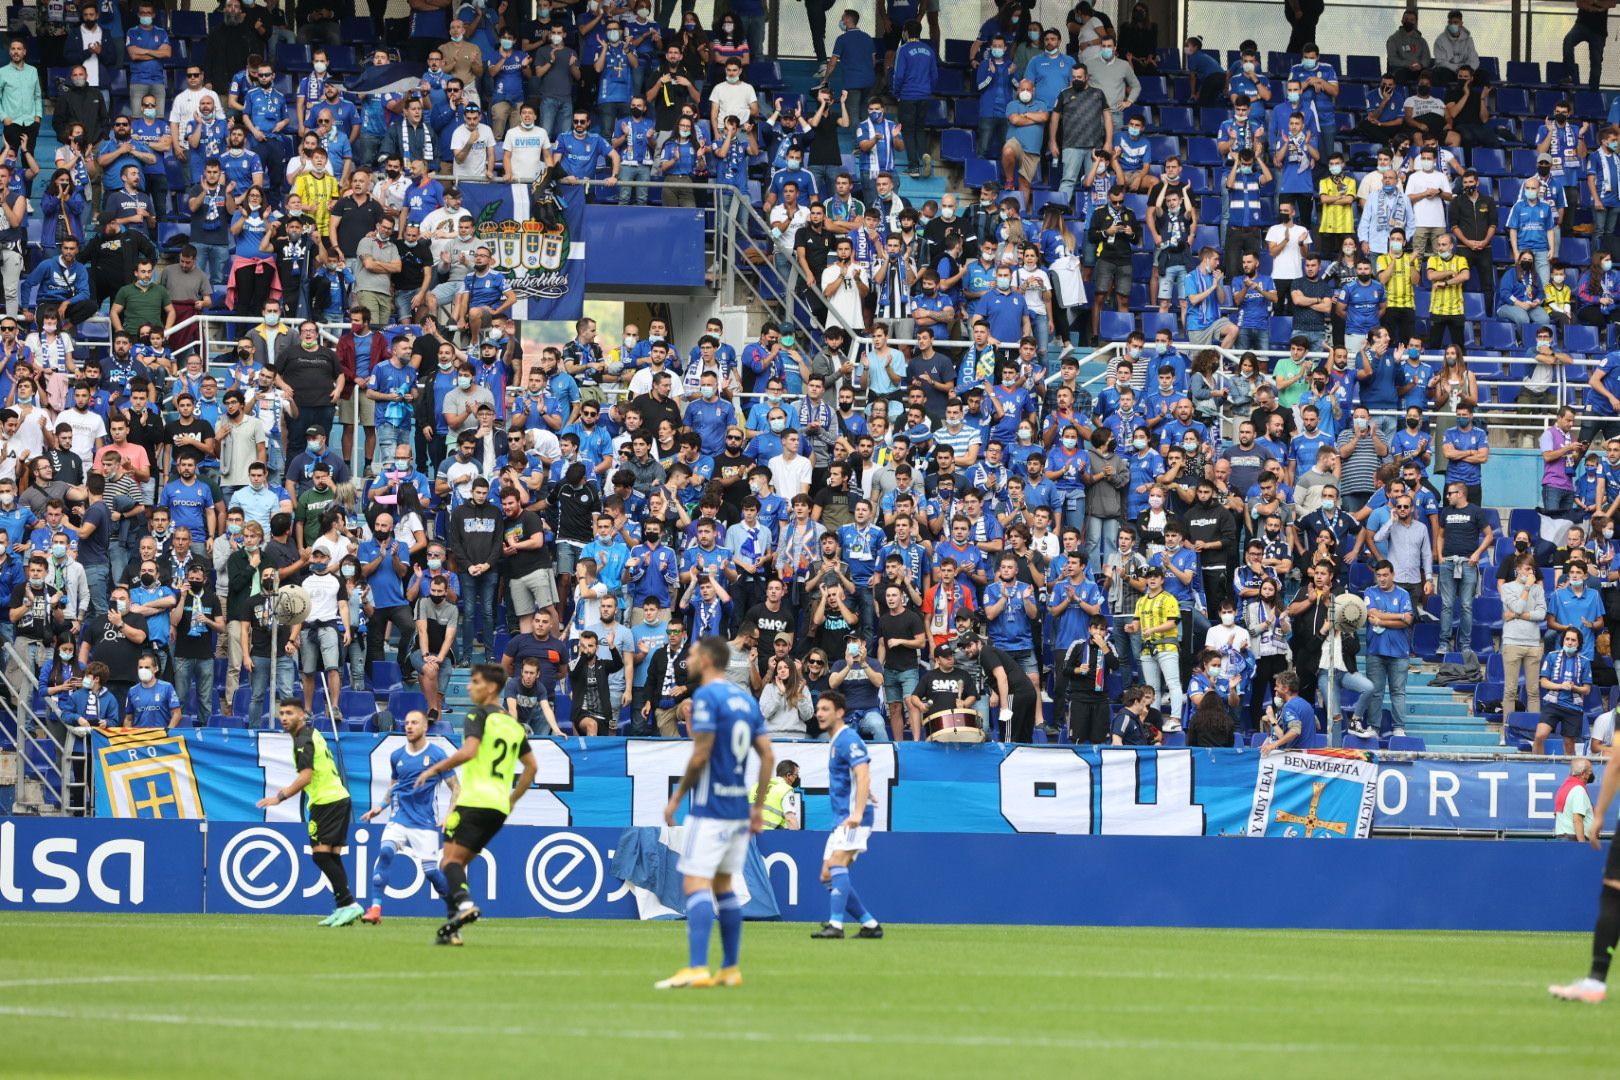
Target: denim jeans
[1328,686]
[608,114]
[198,673]
[1128,646]
[99,578]
[1040,328]
[214,260]
[554,115]
[1457,592]
[1556,500]
[1385,672]
[1516,315]
[1162,673]
[286,677]
[118,555]
[477,609]
[992,135]
[1604,219]
[872,725]
[1102,539]
[389,438]
[1251,338]
[635,174]
[1074,166]
[359,672]
[1073,506]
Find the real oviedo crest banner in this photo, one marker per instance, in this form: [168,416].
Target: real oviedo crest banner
[537,241]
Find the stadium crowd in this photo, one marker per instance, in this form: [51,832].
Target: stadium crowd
[1281,452]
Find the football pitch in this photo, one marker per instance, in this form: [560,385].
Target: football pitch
[184,996]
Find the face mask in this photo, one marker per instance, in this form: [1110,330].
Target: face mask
[434,564]
[1363,278]
[1052,51]
[1155,501]
[1571,650]
[998,52]
[1003,283]
[1228,618]
[464,382]
[1335,169]
[58,551]
[1607,265]
[708,392]
[613,35]
[146,20]
[1532,196]
[778,426]
[1139,444]
[1248,67]
[1106,53]
[1024,434]
[507,43]
[1070,442]
[271,318]
[556,39]
[348,571]
[1453,29]
[1397,246]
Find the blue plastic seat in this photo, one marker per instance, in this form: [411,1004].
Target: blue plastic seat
[1115,325]
[956,144]
[1500,335]
[1411,744]
[1361,742]
[401,702]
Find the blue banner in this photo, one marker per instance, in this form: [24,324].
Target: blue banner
[76,864]
[85,864]
[618,783]
[538,242]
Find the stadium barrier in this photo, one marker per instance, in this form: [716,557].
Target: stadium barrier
[64,864]
[918,788]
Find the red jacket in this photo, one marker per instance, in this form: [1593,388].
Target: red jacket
[346,354]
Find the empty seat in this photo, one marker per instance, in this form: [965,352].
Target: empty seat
[956,144]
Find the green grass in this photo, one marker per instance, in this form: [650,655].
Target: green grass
[218,996]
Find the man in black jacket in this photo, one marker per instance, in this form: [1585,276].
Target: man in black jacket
[229,46]
[667,686]
[80,103]
[475,545]
[595,708]
[1114,230]
[112,254]
[1212,532]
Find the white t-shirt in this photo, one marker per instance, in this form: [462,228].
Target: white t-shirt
[846,302]
[1289,263]
[528,150]
[1427,213]
[443,219]
[476,166]
[186,104]
[733,99]
[641,382]
[1603,729]
[323,597]
[789,477]
[789,225]
[337,548]
[87,428]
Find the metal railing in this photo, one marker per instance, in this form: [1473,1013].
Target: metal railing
[43,758]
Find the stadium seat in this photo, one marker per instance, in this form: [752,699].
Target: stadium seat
[1154,321]
[385,676]
[956,145]
[357,706]
[401,702]
[1115,325]
[1488,161]
[1575,251]
[1410,744]
[977,171]
[938,114]
[1580,338]
[1500,335]
[950,83]
[1175,119]
[1360,742]
[1173,739]
[967,112]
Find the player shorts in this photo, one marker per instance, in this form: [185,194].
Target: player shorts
[420,844]
[329,824]
[844,838]
[473,827]
[714,846]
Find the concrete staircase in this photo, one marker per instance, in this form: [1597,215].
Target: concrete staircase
[1441,718]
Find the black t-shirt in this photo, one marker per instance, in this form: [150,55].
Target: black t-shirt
[771,623]
[111,646]
[259,628]
[312,373]
[907,624]
[816,246]
[728,465]
[354,221]
[196,427]
[1462,528]
[413,261]
[1018,684]
[39,622]
[941,691]
[526,561]
[199,645]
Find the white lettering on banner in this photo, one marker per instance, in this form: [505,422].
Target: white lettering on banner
[654,767]
[1172,812]
[1385,806]
[549,872]
[884,772]
[1493,778]
[782,858]
[382,775]
[1046,791]
[1447,794]
[56,845]
[1539,803]
[276,760]
[42,858]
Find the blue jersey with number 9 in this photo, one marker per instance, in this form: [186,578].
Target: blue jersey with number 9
[733,718]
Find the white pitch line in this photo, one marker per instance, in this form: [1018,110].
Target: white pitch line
[1019,1042]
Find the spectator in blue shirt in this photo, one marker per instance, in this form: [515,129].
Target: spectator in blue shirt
[146,47]
[1529,224]
[993,78]
[581,153]
[1465,448]
[855,53]
[912,78]
[1206,79]
[1389,649]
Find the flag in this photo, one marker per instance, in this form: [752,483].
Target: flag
[387,79]
[538,242]
[1314,796]
[646,858]
[144,773]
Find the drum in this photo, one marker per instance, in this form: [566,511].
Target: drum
[953,726]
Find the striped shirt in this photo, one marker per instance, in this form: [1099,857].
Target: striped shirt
[1154,611]
[1398,289]
[1446,299]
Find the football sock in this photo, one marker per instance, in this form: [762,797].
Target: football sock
[731,920]
[1606,933]
[379,870]
[455,876]
[332,866]
[853,905]
[840,895]
[435,877]
[699,925]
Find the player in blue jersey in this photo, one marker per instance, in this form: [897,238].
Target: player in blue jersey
[725,723]
[413,824]
[849,785]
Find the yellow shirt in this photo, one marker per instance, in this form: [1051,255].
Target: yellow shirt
[1337,219]
[1155,610]
[1558,298]
[318,193]
[1446,299]
[1398,289]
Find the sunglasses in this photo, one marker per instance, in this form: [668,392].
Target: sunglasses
[193,74]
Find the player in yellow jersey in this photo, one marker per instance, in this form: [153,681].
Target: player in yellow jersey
[492,745]
[327,802]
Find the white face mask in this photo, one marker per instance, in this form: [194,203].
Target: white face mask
[1228,618]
